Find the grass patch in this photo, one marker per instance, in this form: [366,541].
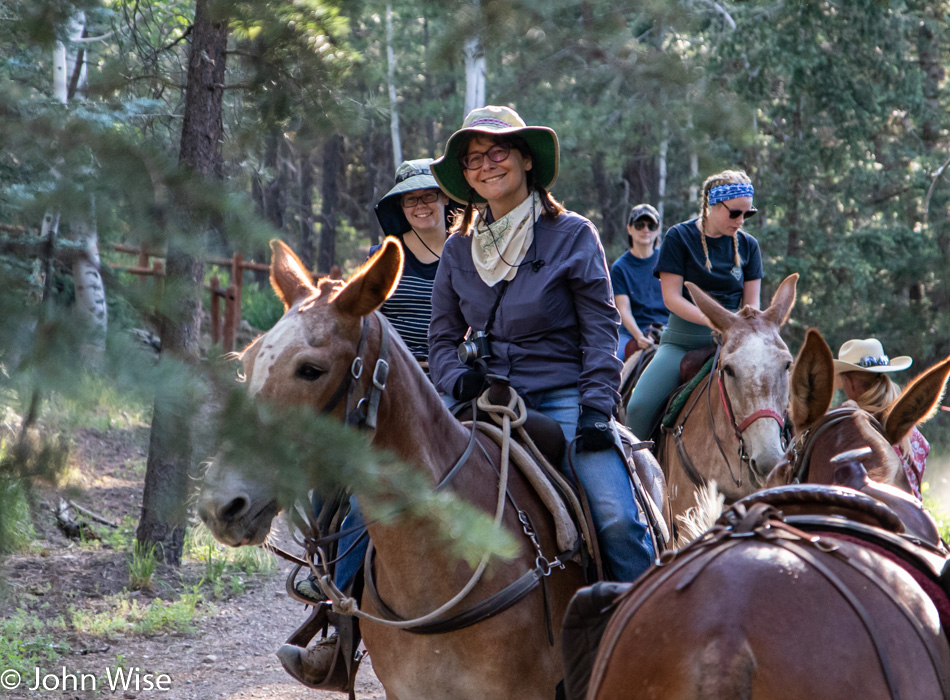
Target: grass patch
[26,644]
[937,510]
[123,616]
[16,525]
[226,569]
[142,566]
[98,405]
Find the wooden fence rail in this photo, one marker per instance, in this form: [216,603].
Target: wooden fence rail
[223,326]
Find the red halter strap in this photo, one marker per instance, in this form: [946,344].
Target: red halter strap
[761,413]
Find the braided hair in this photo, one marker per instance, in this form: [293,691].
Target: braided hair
[551,208]
[726,177]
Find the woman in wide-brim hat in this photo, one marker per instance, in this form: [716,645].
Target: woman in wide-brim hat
[415,212]
[863,370]
[533,278]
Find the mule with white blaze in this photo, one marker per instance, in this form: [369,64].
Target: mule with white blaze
[303,361]
[731,427]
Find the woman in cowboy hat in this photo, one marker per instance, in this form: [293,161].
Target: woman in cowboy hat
[414,211]
[532,277]
[714,253]
[863,370]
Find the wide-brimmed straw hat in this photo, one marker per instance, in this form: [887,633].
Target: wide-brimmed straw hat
[410,175]
[868,356]
[496,121]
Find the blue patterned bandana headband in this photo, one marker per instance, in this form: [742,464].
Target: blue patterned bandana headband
[720,193]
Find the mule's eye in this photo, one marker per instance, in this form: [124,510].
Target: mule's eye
[308,372]
[729,371]
[788,365]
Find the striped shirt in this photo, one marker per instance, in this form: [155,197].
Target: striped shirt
[409,309]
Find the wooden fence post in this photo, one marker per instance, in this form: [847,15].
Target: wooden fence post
[237,279]
[230,299]
[215,310]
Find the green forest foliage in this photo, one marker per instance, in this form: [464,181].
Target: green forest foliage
[838,111]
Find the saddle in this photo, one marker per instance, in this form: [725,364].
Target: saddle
[543,430]
[831,512]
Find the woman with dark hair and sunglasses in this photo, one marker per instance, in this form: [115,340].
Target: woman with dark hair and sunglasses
[530,278]
[714,253]
[637,292]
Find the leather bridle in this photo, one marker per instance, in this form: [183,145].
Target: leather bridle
[800,450]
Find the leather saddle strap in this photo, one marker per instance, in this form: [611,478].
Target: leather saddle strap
[490,606]
[867,621]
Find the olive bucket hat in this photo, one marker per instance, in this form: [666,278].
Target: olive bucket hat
[410,175]
[496,121]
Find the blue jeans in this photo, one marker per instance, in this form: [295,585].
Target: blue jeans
[625,543]
[350,563]
[625,338]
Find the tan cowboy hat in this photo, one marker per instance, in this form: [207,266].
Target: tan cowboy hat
[868,356]
[496,121]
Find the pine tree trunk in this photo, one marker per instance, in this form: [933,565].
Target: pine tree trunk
[305,169]
[332,173]
[167,477]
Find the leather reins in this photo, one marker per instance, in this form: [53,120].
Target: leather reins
[800,451]
[364,416]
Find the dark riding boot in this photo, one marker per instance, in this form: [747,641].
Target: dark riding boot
[310,666]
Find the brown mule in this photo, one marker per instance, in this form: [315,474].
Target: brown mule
[759,608]
[300,362]
[737,440]
[809,456]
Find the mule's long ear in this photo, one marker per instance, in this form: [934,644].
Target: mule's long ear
[917,403]
[782,301]
[371,286]
[813,382]
[288,276]
[717,314]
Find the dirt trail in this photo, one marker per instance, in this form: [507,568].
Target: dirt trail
[230,652]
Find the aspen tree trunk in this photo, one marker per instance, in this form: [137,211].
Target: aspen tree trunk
[661,170]
[391,80]
[475,69]
[90,306]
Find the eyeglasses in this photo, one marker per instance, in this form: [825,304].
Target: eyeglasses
[496,154]
[869,361]
[736,213]
[427,198]
[640,225]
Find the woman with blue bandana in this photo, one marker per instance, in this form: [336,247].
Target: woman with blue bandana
[714,253]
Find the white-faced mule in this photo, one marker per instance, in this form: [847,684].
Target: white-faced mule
[303,360]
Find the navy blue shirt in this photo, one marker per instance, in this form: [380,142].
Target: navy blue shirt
[633,277]
[556,325]
[682,254]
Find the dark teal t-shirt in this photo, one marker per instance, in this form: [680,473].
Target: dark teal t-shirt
[682,254]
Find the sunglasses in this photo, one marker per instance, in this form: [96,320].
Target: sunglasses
[745,214]
[640,225]
[496,154]
[412,201]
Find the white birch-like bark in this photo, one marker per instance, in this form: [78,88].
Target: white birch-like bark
[661,169]
[391,79]
[60,79]
[475,69]
[90,308]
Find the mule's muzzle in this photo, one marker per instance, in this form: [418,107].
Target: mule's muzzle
[233,521]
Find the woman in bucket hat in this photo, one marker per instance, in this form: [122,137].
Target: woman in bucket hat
[530,278]
[863,371]
[414,211]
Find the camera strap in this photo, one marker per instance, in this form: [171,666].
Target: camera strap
[502,288]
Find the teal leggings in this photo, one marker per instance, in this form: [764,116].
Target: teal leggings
[662,375]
